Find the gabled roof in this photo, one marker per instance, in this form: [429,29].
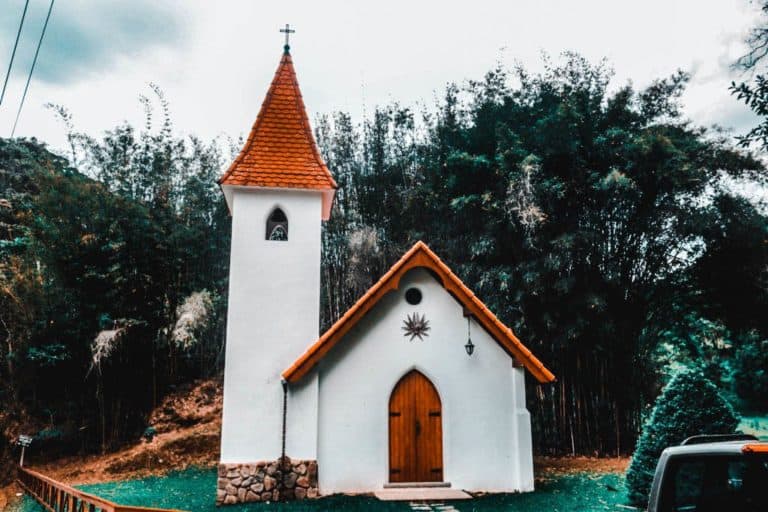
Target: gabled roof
[280,151]
[418,256]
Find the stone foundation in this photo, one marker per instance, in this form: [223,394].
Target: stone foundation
[263,481]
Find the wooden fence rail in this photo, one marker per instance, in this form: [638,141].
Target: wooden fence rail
[58,497]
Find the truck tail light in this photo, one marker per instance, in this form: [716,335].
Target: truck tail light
[755,448]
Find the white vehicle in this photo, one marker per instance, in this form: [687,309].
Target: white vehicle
[712,474]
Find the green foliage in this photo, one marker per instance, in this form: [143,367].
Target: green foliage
[48,434]
[755,94]
[149,433]
[732,272]
[693,341]
[755,425]
[48,355]
[750,371]
[689,405]
[115,251]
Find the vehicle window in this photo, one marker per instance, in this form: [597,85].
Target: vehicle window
[687,482]
[716,483]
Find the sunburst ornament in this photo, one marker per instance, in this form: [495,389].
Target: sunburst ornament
[416,326]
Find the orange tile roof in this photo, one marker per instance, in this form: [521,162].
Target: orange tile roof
[419,256]
[280,150]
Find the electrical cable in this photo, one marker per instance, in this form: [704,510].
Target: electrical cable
[13,53]
[32,69]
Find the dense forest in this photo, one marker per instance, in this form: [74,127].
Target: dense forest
[113,277]
[616,238]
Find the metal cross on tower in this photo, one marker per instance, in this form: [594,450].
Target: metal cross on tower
[287,31]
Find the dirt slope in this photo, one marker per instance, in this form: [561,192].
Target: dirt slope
[188,425]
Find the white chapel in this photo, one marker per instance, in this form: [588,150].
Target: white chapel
[418,384]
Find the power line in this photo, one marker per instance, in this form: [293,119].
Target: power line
[13,53]
[32,69]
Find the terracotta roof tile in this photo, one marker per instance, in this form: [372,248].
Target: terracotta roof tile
[418,256]
[281,150]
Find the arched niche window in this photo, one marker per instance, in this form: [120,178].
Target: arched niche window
[277,226]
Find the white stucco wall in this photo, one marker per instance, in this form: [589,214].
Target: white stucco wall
[486,428]
[273,316]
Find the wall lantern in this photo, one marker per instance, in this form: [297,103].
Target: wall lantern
[469,347]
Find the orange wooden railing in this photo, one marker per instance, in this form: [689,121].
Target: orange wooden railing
[58,497]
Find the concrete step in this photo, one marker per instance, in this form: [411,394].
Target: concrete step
[421,494]
[417,485]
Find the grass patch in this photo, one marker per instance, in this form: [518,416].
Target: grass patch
[194,489]
[755,425]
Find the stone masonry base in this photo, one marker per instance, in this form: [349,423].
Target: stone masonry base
[263,481]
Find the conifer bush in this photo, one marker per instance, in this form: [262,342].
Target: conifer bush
[689,405]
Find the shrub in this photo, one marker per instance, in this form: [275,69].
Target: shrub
[49,434]
[149,434]
[689,405]
[750,371]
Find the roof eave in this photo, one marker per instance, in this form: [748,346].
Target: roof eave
[328,194]
[418,256]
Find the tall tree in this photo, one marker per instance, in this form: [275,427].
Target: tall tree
[755,94]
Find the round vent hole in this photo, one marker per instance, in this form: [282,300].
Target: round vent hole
[413,296]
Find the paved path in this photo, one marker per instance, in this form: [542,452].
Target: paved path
[433,507]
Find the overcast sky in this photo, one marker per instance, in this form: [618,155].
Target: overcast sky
[215,59]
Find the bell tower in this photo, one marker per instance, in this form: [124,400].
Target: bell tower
[278,191]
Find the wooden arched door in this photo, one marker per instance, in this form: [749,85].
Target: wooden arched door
[415,431]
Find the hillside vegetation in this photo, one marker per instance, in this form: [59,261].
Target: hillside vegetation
[107,299]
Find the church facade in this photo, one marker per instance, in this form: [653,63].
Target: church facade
[418,384]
